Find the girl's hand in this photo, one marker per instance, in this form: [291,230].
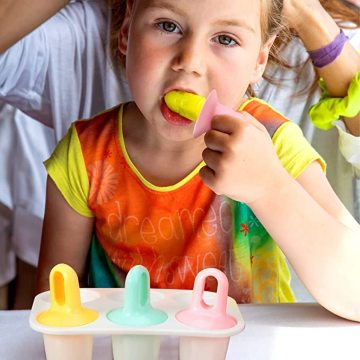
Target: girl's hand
[241,160]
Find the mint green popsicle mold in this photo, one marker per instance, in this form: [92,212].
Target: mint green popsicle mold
[137,310]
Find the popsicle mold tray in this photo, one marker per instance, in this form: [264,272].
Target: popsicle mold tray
[134,312]
[105,300]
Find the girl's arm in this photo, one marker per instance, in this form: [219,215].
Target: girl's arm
[304,216]
[316,29]
[65,239]
[318,236]
[20,17]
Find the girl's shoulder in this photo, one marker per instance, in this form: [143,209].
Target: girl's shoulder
[102,120]
[265,114]
[98,134]
[293,150]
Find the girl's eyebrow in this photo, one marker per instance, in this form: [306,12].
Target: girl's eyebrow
[167,6]
[237,23]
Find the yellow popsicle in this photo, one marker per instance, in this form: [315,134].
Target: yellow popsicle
[186,104]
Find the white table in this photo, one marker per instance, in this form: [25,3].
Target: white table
[272,332]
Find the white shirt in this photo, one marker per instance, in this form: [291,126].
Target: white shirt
[62,70]
[57,74]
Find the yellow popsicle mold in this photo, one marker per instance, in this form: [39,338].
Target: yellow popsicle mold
[186,104]
[65,304]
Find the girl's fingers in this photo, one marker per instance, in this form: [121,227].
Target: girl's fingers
[228,124]
[208,176]
[212,158]
[216,140]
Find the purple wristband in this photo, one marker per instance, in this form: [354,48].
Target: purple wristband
[327,54]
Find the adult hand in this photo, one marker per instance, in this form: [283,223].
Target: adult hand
[295,12]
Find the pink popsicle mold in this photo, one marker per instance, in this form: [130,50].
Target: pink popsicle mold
[204,316]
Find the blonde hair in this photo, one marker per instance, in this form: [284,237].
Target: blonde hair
[118,10]
[272,24]
[342,11]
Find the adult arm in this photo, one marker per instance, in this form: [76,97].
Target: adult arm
[63,75]
[317,28]
[66,237]
[20,17]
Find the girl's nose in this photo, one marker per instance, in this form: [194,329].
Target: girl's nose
[190,58]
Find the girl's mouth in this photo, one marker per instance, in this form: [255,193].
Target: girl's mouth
[173,117]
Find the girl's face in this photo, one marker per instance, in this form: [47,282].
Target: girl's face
[190,45]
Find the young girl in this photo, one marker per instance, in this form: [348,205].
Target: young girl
[155,196]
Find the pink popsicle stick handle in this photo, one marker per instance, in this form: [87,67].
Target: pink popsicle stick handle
[198,303]
[211,108]
[201,315]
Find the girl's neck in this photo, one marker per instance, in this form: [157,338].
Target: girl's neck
[163,162]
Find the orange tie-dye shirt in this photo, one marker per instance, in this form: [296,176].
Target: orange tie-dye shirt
[175,231]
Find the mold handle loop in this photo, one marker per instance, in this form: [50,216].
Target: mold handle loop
[221,293]
[137,290]
[64,289]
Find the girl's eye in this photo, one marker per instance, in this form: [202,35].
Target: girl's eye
[168,26]
[226,40]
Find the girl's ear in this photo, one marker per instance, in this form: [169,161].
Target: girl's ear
[262,60]
[124,29]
